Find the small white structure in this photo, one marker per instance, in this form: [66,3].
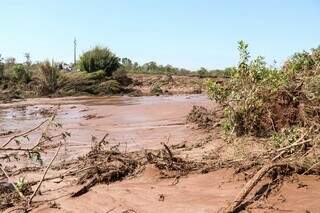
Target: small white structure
[66,67]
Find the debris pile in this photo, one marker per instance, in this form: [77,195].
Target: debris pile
[102,165]
[203,117]
[16,149]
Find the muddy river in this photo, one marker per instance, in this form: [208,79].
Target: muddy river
[132,122]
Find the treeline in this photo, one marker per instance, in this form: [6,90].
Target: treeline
[96,59]
[154,68]
[100,71]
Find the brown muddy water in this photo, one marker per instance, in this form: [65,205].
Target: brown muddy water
[132,122]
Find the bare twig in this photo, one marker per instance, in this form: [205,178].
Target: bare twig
[12,183]
[23,134]
[168,151]
[44,174]
[313,166]
[293,145]
[43,133]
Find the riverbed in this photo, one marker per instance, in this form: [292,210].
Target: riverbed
[132,122]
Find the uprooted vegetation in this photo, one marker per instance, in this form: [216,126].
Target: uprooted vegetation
[15,150]
[105,163]
[277,108]
[261,100]
[203,117]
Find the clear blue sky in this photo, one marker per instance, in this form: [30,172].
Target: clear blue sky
[184,33]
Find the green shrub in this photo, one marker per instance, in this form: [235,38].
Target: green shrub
[74,81]
[22,184]
[98,75]
[121,76]
[99,58]
[49,77]
[249,94]
[21,74]
[299,62]
[315,55]
[303,62]
[109,87]
[262,100]
[93,83]
[203,72]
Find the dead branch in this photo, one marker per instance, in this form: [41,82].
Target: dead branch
[234,205]
[12,183]
[168,151]
[293,145]
[86,187]
[44,174]
[23,134]
[312,167]
[43,133]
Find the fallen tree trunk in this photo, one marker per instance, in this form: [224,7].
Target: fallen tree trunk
[234,205]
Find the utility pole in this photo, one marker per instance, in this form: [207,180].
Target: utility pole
[74,52]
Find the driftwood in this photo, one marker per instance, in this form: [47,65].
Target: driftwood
[86,187]
[234,205]
[44,175]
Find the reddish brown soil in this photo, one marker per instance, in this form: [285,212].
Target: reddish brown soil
[197,193]
[139,123]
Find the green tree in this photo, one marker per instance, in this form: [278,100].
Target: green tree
[203,72]
[99,58]
[127,63]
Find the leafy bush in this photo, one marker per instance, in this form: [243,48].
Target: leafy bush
[98,75]
[260,100]
[21,74]
[93,83]
[203,72]
[49,77]
[304,61]
[121,76]
[110,87]
[75,81]
[99,58]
